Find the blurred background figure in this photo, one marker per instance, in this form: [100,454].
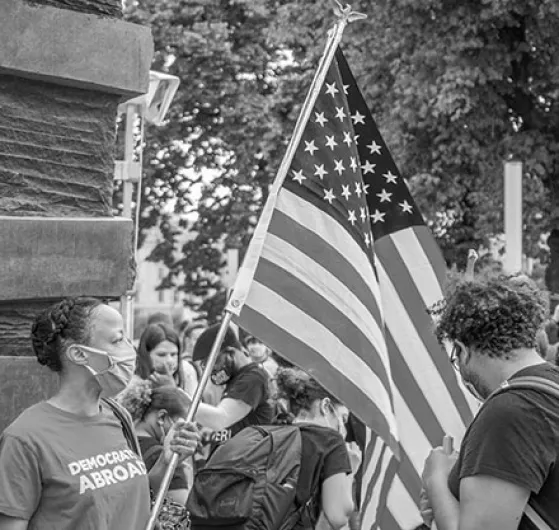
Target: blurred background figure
[158,355]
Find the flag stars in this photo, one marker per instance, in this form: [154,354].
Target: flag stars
[329,195]
[353,164]
[331,89]
[320,172]
[384,196]
[345,192]
[358,190]
[378,217]
[310,147]
[358,118]
[298,176]
[365,188]
[346,89]
[363,214]
[320,119]
[390,178]
[331,142]
[339,166]
[406,207]
[367,167]
[352,219]
[367,240]
[347,138]
[340,113]
[374,148]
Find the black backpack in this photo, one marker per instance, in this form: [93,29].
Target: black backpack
[250,482]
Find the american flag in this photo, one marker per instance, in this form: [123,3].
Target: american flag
[429,402]
[308,286]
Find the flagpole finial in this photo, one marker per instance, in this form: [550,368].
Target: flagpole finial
[346,13]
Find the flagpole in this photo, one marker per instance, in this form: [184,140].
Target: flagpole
[345,15]
[170,471]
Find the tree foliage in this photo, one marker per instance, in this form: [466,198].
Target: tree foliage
[456,86]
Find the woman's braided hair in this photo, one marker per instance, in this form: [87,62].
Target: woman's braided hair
[494,315]
[67,321]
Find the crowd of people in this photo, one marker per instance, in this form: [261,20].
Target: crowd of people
[93,456]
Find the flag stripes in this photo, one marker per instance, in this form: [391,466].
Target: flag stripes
[307,348]
[428,399]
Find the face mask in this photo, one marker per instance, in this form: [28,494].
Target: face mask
[112,373]
[472,390]
[225,371]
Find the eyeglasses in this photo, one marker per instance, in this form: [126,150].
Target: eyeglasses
[455,358]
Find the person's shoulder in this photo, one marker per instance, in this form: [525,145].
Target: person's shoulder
[252,371]
[318,433]
[29,422]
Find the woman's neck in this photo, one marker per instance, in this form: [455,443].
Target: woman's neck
[144,428]
[305,417]
[78,397]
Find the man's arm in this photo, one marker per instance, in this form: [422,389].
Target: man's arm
[485,502]
[227,413]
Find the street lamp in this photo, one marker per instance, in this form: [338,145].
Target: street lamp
[150,108]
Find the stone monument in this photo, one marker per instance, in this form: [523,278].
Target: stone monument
[65,65]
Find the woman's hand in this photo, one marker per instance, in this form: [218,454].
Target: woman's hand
[183,439]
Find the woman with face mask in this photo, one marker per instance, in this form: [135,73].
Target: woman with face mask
[326,474]
[155,409]
[71,462]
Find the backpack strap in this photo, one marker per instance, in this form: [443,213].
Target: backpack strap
[542,384]
[126,423]
[531,382]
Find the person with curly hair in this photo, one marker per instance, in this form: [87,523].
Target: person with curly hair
[155,409]
[509,453]
[326,474]
[72,462]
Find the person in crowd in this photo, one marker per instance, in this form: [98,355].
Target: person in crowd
[326,474]
[155,409]
[190,333]
[69,463]
[245,397]
[552,327]
[158,355]
[259,352]
[509,453]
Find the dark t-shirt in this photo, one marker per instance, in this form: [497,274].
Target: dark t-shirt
[250,386]
[324,454]
[515,437]
[151,450]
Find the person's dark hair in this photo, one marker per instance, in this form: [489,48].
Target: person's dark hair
[152,336]
[205,341]
[142,397]
[494,316]
[60,325]
[300,390]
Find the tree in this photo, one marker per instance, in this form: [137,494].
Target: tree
[457,87]
[228,119]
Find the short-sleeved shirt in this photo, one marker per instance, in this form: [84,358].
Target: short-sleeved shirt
[324,454]
[515,437]
[61,471]
[251,386]
[151,451]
